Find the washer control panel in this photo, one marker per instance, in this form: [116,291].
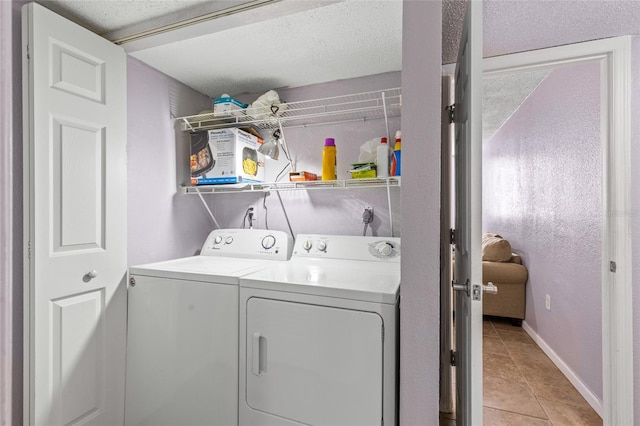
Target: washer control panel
[249,243]
[347,247]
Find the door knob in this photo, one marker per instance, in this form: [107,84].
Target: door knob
[490,288]
[90,275]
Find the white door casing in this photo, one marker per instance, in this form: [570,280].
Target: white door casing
[468,218]
[75,222]
[614,55]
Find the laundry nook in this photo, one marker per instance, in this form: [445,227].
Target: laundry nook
[319,212]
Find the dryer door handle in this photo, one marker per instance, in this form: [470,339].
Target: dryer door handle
[259,354]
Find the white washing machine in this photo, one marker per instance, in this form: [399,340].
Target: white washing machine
[182,332]
[319,335]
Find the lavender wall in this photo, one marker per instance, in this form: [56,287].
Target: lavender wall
[162,223]
[635,218]
[320,211]
[420,303]
[542,185]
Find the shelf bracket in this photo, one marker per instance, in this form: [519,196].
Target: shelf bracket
[213,218]
[386,116]
[285,148]
[188,124]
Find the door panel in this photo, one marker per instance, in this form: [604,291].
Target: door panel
[77,72]
[75,222]
[78,176]
[314,364]
[77,356]
[468,208]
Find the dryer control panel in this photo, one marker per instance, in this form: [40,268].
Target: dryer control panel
[249,243]
[347,247]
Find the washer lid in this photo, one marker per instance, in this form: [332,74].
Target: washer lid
[201,268]
[346,279]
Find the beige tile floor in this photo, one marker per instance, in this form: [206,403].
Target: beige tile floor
[521,384]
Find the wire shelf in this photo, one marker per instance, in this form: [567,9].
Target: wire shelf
[289,186]
[339,109]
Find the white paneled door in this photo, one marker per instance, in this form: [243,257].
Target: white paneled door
[75,222]
[468,207]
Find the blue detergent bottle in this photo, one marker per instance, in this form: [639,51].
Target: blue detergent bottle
[396,161]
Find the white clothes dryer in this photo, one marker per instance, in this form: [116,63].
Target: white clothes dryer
[182,332]
[319,335]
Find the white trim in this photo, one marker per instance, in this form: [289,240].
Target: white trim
[587,394]
[617,321]
[28,387]
[617,287]
[7,361]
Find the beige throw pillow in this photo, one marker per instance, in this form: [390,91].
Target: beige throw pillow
[495,248]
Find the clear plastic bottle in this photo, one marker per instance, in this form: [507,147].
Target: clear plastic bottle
[329,160]
[382,155]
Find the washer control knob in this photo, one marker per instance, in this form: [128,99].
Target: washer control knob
[217,240]
[322,246]
[268,242]
[229,240]
[307,245]
[384,249]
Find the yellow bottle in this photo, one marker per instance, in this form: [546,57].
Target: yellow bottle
[329,160]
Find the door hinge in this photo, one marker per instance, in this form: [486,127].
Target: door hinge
[612,266]
[452,113]
[28,53]
[452,358]
[461,287]
[452,236]
[29,250]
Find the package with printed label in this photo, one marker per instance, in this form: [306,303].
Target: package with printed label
[225,156]
[226,105]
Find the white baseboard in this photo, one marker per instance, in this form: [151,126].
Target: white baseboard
[586,393]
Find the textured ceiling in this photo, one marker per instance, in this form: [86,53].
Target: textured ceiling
[509,25]
[106,16]
[503,95]
[332,42]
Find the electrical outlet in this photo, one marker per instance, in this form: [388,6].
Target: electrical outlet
[257,211]
[253,214]
[547,302]
[367,215]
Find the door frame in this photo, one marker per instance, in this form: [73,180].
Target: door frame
[614,57]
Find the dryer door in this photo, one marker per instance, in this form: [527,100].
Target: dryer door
[314,364]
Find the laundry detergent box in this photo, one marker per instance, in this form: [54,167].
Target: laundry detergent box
[225,156]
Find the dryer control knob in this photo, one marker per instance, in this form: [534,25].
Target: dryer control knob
[322,246]
[217,240]
[307,245]
[229,240]
[268,242]
[385,249]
